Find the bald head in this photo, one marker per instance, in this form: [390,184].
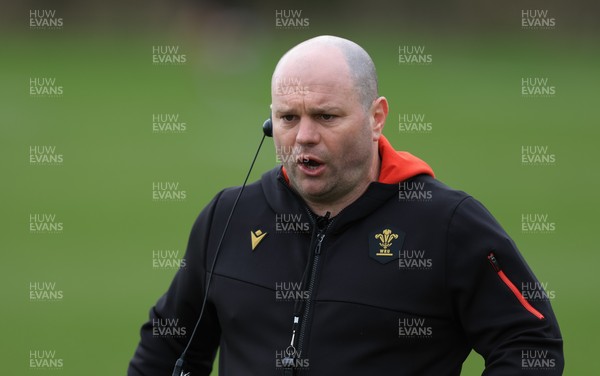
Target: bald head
[355,63]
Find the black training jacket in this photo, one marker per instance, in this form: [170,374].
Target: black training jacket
[404,281]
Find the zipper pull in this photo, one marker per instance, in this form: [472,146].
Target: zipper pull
[290,351]
[294,329]
[320,238]
[495,264]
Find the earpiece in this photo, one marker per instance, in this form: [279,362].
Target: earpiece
[268,127]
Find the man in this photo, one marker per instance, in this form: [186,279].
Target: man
[351,258]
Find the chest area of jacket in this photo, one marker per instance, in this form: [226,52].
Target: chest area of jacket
[394,265]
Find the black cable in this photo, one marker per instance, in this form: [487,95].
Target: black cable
[177,370]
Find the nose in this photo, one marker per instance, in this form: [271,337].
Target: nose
[308,132]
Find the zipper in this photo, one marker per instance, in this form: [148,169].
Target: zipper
[496,265]
[311,287]
[322,223]
[291,352]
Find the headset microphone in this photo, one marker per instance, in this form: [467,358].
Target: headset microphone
[268,131]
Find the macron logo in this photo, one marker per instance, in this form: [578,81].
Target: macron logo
[256,237]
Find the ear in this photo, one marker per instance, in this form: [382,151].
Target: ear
[378,114]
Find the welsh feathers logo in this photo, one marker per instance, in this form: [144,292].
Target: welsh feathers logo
[384,245]
[386,238]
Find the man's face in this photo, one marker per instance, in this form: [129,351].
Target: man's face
[322,132]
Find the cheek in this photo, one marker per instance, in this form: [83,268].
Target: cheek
[354,146]
[283,137]
[279,142]
[284,146]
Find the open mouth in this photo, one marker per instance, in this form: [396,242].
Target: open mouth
[309,162]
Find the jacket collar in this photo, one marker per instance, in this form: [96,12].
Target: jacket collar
[396,166]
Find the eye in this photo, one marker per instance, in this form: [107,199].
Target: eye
[288,118]
[327,117]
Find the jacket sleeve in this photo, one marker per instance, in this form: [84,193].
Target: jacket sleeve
[179,308]
[486,275]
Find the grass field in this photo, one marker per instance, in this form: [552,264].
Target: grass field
[102,190]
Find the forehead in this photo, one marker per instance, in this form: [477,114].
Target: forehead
[317,76]
[312,96]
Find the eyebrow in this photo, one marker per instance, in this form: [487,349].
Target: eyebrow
[324,110]
[311,111]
